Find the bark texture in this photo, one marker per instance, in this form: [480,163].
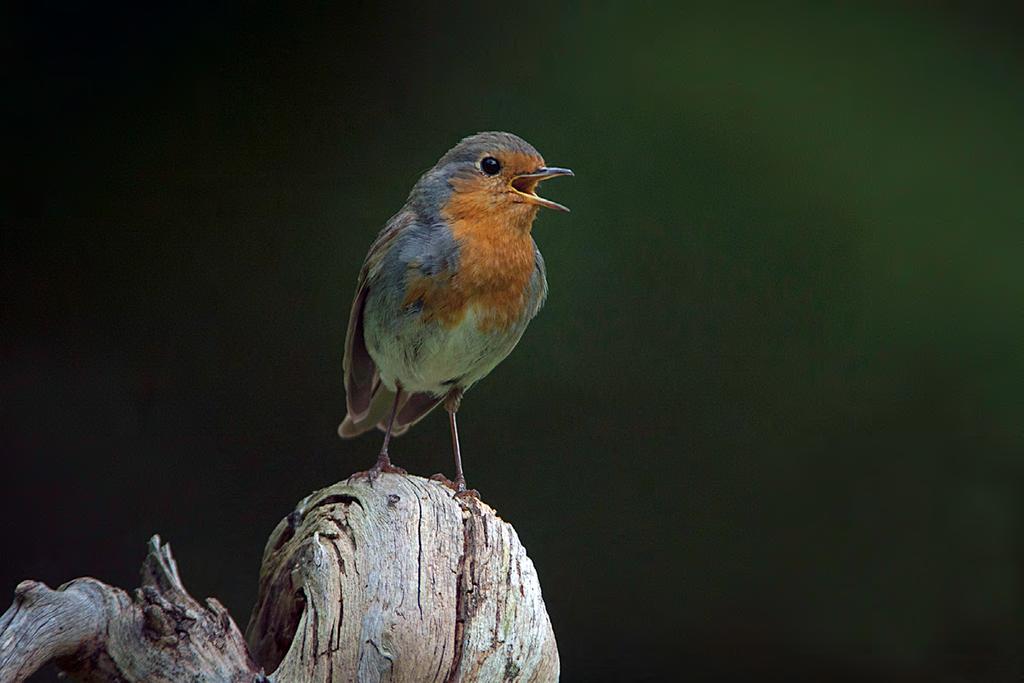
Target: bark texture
[391,581]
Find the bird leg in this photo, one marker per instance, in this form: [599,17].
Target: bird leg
[451,404]
[383,463]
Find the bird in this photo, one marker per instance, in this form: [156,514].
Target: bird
[446,291]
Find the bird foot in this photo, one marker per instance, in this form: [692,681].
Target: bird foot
[441,479]
[467,493]
[458,486]
[391,469]
[383,464]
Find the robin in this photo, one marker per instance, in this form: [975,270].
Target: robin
[447,289]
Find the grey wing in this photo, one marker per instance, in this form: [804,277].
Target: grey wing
[360,372]
[404,245]
[426,250]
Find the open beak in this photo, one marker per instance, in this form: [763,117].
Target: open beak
[526,185]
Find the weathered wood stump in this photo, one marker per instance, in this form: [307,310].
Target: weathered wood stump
[391,581]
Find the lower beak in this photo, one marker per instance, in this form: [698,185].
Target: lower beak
[525,185]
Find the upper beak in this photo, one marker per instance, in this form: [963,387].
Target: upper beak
[526,184]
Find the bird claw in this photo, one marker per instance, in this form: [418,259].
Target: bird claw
[445,481]
[458,486]
[467,493]
[383,464]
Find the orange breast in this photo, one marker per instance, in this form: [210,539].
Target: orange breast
[496,262]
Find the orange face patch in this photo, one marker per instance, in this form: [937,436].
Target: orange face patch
[496,262]
[518,162]
[492,225]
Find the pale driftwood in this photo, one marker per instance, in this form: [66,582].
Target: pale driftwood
[399,581]
[390,581]
[98,633]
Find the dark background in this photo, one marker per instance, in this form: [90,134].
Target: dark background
[770,422]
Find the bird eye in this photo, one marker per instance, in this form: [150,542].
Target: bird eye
[490,165]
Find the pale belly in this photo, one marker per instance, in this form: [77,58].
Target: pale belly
[428,357]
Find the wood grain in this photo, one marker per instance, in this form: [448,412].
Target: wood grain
[394,580]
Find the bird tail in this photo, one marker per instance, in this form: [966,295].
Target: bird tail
[380,404]
[411,409]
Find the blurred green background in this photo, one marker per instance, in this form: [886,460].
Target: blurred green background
[770,422]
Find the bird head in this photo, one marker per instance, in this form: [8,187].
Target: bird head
[492,175]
